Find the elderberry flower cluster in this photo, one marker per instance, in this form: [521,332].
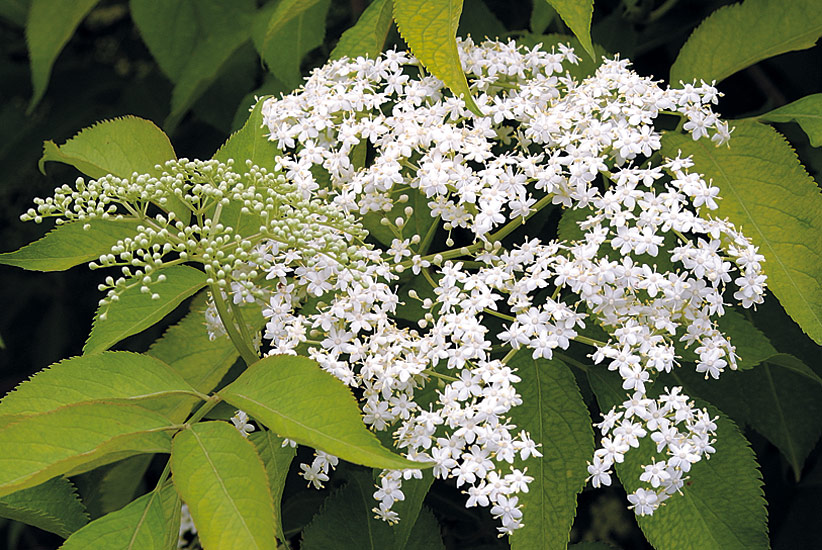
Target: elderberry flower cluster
[646,261]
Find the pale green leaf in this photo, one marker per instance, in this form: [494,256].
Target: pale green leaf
[768,195]
[722,505]
[367,36]
[807,112]
[277,460]
[76,438]
[555,415]
[119,146]
[52,506]
[151,522]
[187,349]
[577,15]
[110,487]
[220,476]
[250,143]
[739,35]
[776,402]
[429,27]
[49,26]
[119,375]
[346,521]
[283,391]
[136,311]
[71,244]
[284,37]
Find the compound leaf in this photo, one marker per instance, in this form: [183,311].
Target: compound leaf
[52,506]
[807,112]
[220,476]
[70,244]
[722,505]
[555,415]
[120,146]
[283,391]
[136,311]
[737,36]
[767,194]
[276,459]
[429,27]
[76,438]
[367,36]
[49,26]
[151,522]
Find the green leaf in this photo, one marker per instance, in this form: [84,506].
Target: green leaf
[282,392]
[136,311]
[151,522]
[367,36]
[419,224]
[228,30]
[276,459]
[478,21]
[70,244]
[541,16]
[425,535]
[577,15]
[285,31]
[411,511]
[776,402]
[555,415]
[120,146]
[250,143]
[793,364]
[737,36]
[722,506]
[586,66]
[110,487]
[119,375]
[767,193]
[220,476]
[49,26]
[187,349]
[346,521]
[807,112]
[75,438]
[429,27]
[52,506]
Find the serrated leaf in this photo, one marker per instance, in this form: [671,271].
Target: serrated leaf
[110,487]
[425,535]
[75,437]
[119,146]
[276,459]
[250,143]
[429,27]
[283,391]
[136,311]
[119,375]
[220,476]
[367,36]
[284,32]
[410,511]
[768,195]
[807,112]
[69,244]
[577,15]
[149,523]
[776,402]
[722,505]
[346,521]
[555,415]
[49,26]
[737,36]
[187,349]
[52,506]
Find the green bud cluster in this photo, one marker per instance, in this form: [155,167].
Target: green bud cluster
[236,226]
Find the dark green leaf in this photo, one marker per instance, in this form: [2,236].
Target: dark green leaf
[425,535]
[110,487]
[52,506]
[276,459]
[367,37]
